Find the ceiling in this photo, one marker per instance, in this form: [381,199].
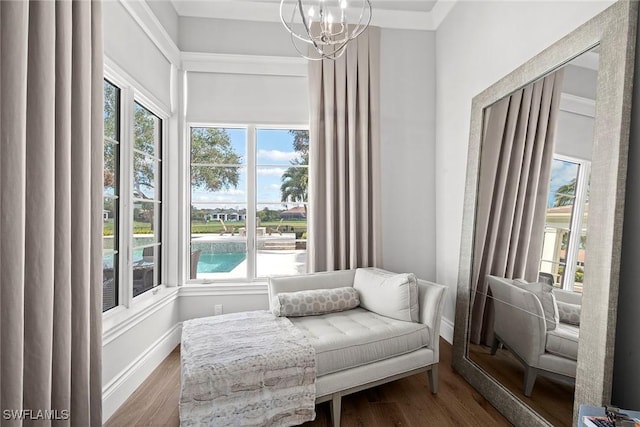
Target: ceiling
[406,14]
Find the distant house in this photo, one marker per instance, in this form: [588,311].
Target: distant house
[225,214]
[294,213]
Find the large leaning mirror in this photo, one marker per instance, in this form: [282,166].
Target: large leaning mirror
[542,226]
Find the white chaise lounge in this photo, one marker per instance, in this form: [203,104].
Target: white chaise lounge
[361,348]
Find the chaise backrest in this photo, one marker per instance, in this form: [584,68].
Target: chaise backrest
[305,282]
[569,297]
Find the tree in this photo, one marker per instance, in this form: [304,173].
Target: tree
[565,194]
[110,125]
[295,179]
[146,132]
[213,146]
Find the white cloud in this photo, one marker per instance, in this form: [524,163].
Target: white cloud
[232,195]
[562,173]
[277,155]
[271,171]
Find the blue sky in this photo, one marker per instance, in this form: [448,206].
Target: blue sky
[274,154]
[562,172]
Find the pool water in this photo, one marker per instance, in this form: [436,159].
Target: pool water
[220,263]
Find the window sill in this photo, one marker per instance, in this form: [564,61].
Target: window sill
[223,288]
[120,319]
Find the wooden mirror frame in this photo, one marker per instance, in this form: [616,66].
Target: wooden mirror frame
[614,30]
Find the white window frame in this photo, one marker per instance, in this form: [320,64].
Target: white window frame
[131,91]
[577,214]
[251,201]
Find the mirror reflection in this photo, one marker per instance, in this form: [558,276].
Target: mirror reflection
[531,237]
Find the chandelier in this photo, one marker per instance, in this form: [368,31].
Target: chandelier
[326,25]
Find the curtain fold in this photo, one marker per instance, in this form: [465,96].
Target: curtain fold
[513,186]
[51,132]
[344,169]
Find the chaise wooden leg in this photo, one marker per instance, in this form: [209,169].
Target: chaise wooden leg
[433,378]
[530,375]
[336,403]
[494,345]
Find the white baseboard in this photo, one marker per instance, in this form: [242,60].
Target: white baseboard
[118,390]
[446,330]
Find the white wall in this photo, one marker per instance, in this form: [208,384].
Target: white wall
[131,351]
[407,127]
[476,45]
[234,37]
[166,14]
[128,45]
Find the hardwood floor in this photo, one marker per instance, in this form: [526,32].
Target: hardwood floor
[406,402]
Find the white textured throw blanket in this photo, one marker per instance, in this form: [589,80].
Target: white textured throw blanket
[246,369]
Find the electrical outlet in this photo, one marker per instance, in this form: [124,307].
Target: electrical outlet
[217,309]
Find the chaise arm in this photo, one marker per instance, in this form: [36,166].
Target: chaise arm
[519,320]
[431,300]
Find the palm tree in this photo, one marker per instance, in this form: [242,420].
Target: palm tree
[294,184]
[565,194]
[295,179]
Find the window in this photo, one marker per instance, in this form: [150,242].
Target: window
[111,192]
[146,202]
[132,197]
[248,202]
[565,235]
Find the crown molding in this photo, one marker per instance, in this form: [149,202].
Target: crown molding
[147,20]
[577,105]
[270,12]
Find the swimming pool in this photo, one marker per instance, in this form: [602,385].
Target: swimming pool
[220,262]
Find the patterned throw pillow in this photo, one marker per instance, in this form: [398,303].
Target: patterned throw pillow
[569,313]
[314,302]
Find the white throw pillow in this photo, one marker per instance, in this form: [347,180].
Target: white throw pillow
[388,294]
[314,302]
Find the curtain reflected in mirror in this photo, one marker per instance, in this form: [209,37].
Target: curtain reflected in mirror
[531,237]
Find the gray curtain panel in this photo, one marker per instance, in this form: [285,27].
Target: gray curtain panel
[51,132]
[515,169]
[344,169]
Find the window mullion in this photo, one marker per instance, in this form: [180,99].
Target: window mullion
[251,203]
[126,193]
[573,244]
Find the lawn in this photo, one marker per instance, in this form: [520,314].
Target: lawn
[214,227]
[138,228]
